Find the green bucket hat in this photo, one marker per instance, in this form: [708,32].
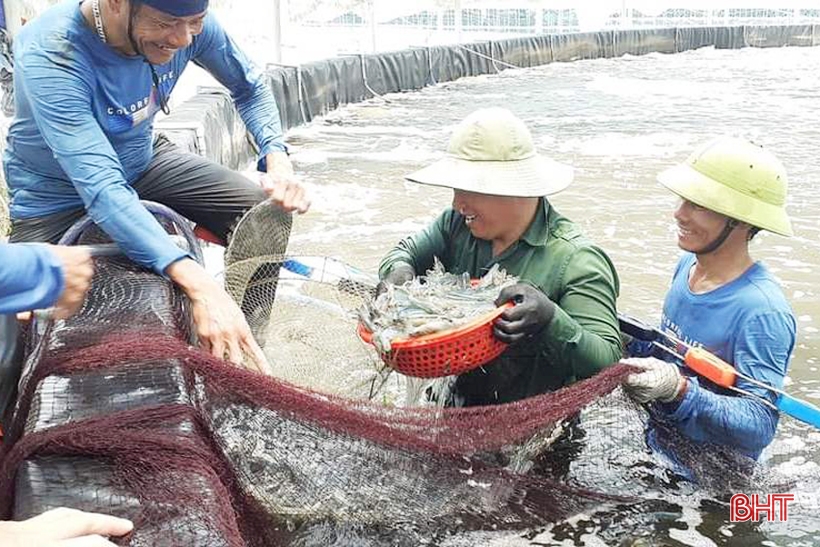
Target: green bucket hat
[736,178]
[491,152]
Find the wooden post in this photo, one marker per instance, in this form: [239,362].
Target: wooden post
[277,31]
[373,25]
[458,15]
[14,16]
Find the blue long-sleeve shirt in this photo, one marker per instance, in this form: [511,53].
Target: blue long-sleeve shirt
[31,277]
[747,323]
[83,129]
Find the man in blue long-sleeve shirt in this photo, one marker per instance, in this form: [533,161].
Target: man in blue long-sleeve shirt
[721,299]
[34,276]
[89,79]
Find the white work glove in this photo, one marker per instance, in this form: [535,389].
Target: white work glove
[659,381]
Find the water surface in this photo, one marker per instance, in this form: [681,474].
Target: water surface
[618,122]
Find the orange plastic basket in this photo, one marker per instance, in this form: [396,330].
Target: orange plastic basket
[452,351]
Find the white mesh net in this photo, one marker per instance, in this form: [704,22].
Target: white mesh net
[302,310]
[4,206]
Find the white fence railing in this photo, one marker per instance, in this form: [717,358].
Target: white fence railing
[297,31]
[325,28]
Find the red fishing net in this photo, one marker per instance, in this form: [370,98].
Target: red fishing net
[118,413]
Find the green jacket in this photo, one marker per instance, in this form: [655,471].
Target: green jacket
[582,338]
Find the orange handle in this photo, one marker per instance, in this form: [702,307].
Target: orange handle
[711,367]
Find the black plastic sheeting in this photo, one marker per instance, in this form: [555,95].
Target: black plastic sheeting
[284,84]
[41,482]
[306,92]
[525,52]
[798,35]
[209,125]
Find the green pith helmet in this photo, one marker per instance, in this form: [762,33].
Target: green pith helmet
[736,178]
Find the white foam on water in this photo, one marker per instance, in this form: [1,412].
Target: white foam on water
[402,153]
[654,90]
[347,129]
[689,535]
[322,233]
[308,156]
[619,145]
[405,152]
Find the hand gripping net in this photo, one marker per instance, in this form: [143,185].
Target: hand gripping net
[119,413]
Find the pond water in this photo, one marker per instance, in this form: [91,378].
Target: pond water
[618,122]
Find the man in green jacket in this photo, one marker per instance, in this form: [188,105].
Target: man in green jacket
[563,326]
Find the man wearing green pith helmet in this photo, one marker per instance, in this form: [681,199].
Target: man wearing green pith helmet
[721,299]
[563,326]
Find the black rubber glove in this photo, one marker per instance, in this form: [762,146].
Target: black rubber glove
[399,275]
[532,312]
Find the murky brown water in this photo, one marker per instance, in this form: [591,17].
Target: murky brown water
[619,122]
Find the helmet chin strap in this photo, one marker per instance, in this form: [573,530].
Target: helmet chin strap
[731,224]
